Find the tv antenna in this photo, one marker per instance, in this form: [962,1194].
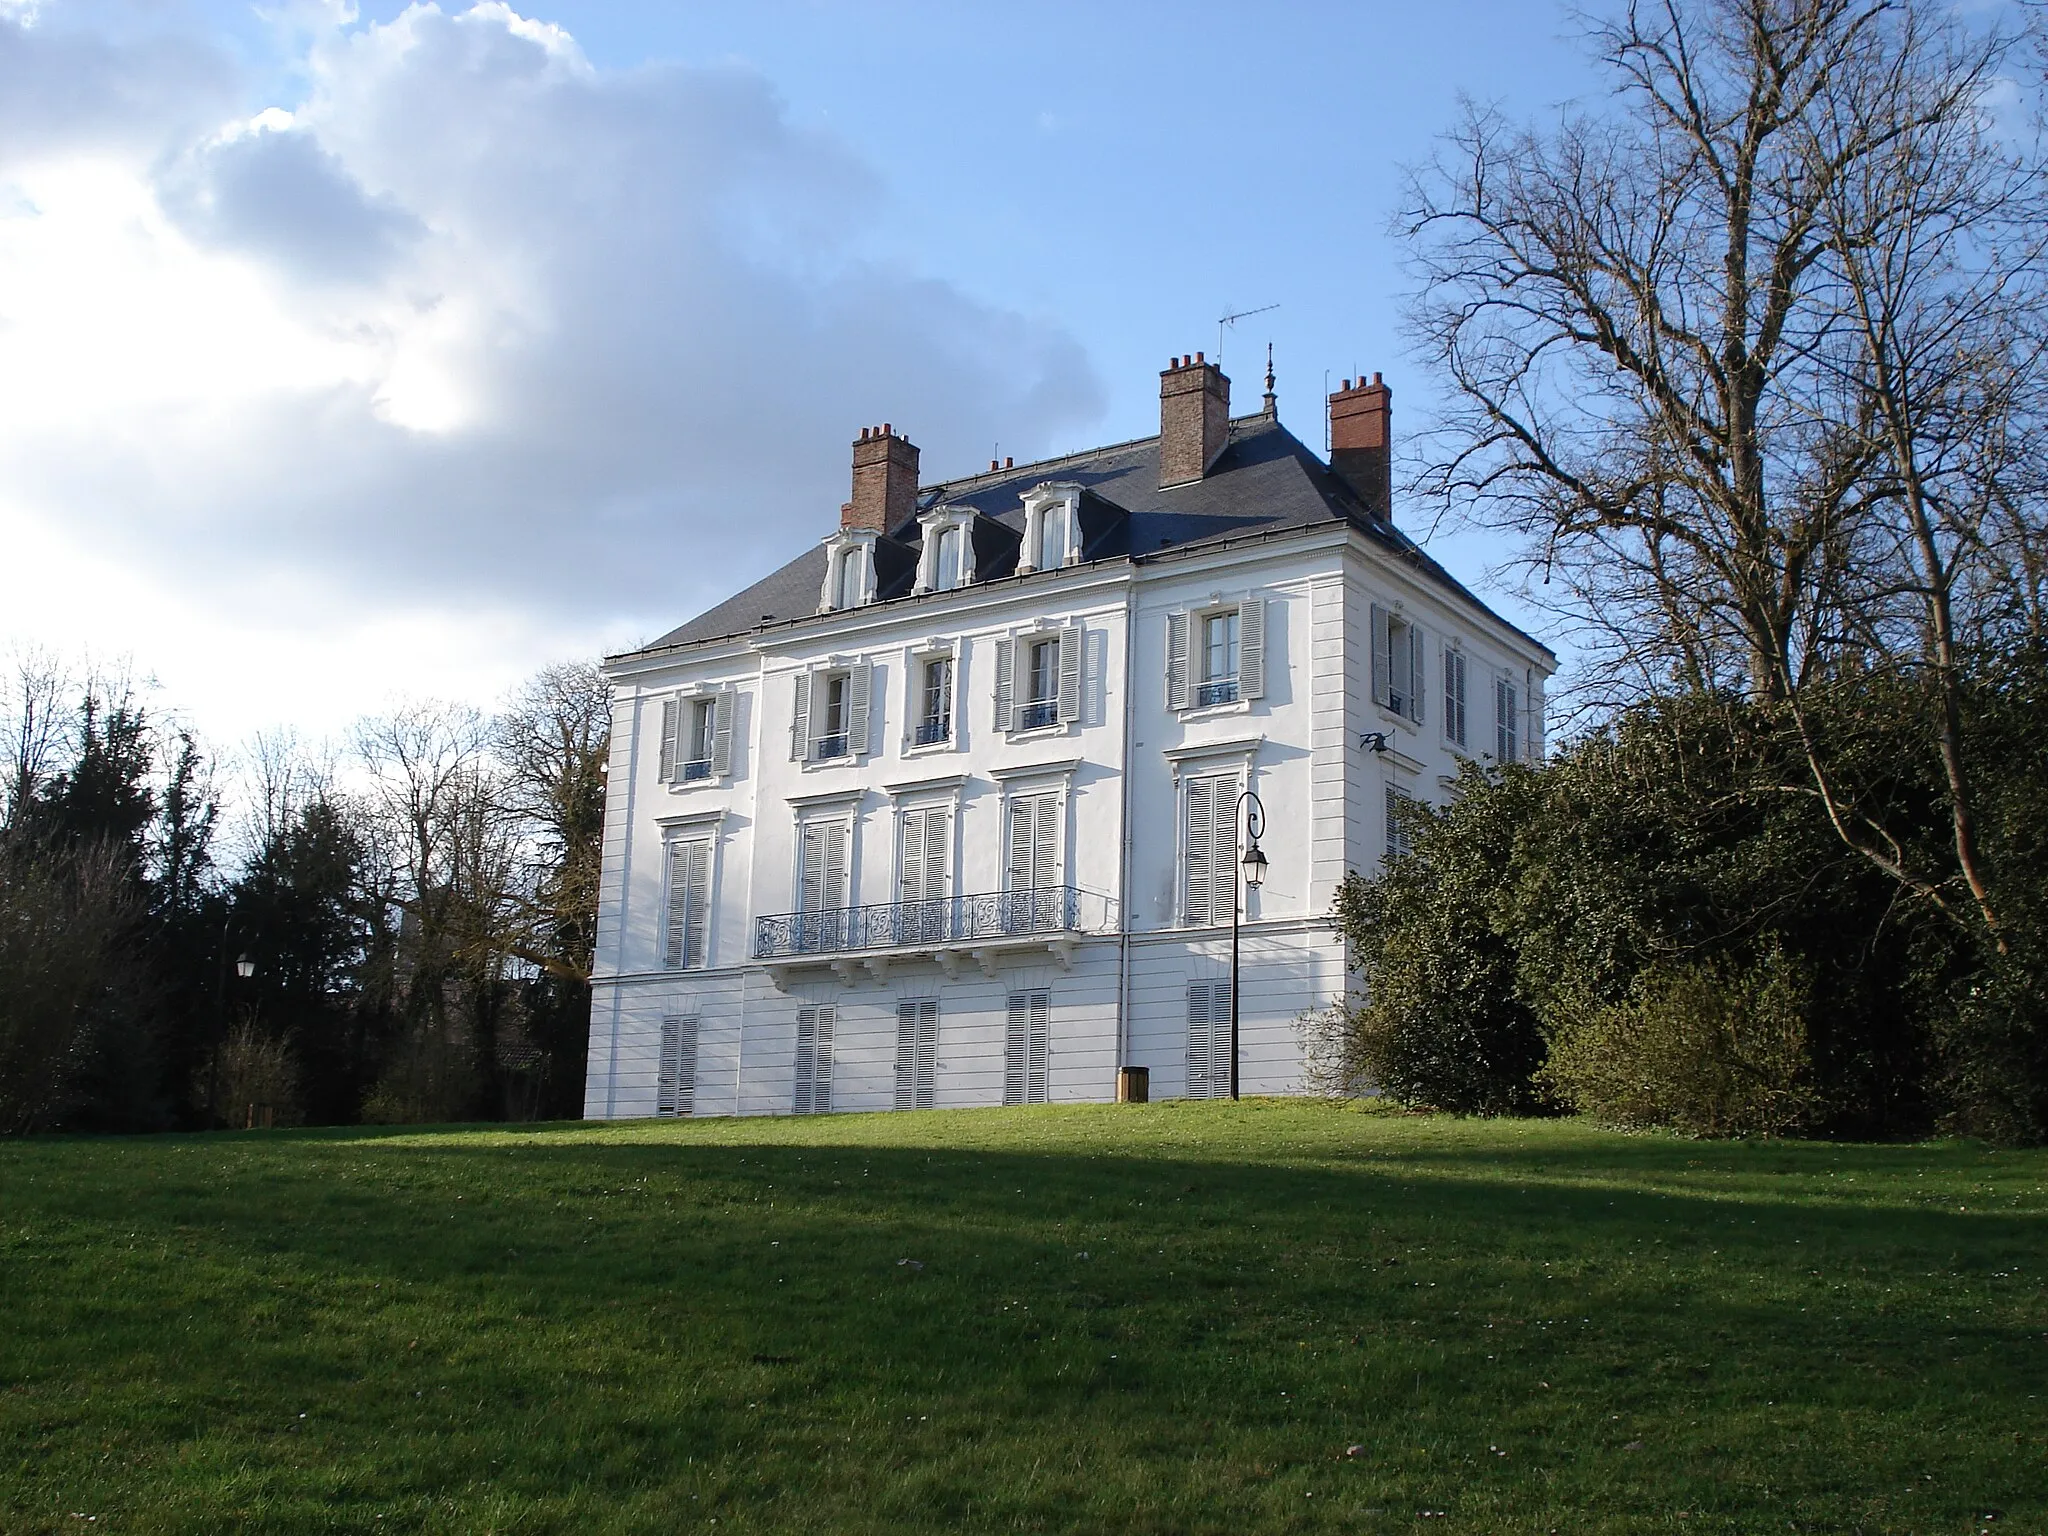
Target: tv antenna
[1231,320]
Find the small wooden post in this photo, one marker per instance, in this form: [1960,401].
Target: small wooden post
[1133,1085]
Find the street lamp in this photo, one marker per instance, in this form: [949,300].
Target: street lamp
[1251,819]
[245,967]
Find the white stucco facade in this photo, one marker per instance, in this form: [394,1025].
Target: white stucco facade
[717,939]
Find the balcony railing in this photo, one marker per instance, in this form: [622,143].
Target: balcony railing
[1035,716]
[934,729]
[1222,691]
[951,920]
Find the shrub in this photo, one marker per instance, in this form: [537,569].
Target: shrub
[1708,1049]
[255,1072]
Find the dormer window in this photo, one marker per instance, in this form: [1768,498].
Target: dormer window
[1051,531]
[947,568]
[846,582]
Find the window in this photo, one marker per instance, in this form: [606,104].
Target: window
[1209,870]
[675,1074]
[689,903]
[1507,720]
[1050,550]
[830,720]
[697,761]
[948,570]
[935,702]
[1454,696]
[917,1052]
[1397,665]
[821,885]
[696,737]
[923,862]
[1038,680]
[814,1028]
[846,578]
[1042,704]
[1216,657]
[1026,1046]
[1208,1039]
[1219,659]
[1400,822]
[1032,899]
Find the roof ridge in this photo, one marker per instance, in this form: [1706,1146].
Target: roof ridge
[1008,471]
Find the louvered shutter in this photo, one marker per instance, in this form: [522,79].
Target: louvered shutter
[1005,668]
[1070,674]
[906,1055]
[806,1059]
[671,723]
[800,721]
[938,848]
[1017,1049]
[1415,672]
[1176,661]
[834,881]
[811,876]
[1201,1040]
[821,1068]
[721,733]
[1251,649]
[697,926]
[1382,659]
[675,1081]
[859,683]
[1046,843]
[1022,829]
[1039,1024]
[910,883]
[927,1052]
[1201,851]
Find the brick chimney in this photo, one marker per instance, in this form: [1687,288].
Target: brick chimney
[1362,444]
[1194,418]
[884,481]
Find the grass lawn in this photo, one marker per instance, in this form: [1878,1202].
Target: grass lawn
[1175,1318]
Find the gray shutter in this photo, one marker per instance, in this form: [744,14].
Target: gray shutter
[1251,649]
[1016,1050]
[1201,1040]
[1201,853]
[1382,662]
[1416,672]
[1005,666]
[1046,843]
[821,1070]
[1223,848]
[1070,674]
[833,881]
[675,1081]
[938,845]
[721,733]
[671,724]
[674,937]
[1040,1025]
[1176,661]
[906,1055]
[1022,818]
[806,1059]
[927,1052]
[697,876]
[858,684]
[811,869]
[800,722]
[910,867]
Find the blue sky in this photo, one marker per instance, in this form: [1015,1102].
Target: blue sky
[357,353]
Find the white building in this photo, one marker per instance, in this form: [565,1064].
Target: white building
[945,811]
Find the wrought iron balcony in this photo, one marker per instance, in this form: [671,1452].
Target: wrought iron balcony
[948,923]
[933,729]
[697,768]
[1034,716]
[1222,691]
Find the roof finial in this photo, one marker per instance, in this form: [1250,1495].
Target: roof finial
[1272,400]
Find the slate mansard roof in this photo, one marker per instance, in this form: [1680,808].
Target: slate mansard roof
[1264,481]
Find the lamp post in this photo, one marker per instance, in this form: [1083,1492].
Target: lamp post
[1251,820]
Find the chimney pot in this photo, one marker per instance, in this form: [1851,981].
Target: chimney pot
[1361,442]
[1009,461]
[884,481]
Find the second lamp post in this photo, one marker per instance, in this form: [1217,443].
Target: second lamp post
[1251,821]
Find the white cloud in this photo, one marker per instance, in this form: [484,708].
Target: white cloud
[472,340]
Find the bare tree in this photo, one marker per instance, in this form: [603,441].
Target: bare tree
[37,724]
[1745,360]
[553,740]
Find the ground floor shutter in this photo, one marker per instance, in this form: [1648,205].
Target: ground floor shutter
[1026,1047]
[675,1078]
[1208,1039]
[814,1028]
[917,1052]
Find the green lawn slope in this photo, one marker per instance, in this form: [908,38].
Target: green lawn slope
[1175,1318]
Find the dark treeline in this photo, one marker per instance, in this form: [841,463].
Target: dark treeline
[402,933]
[1748,358]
